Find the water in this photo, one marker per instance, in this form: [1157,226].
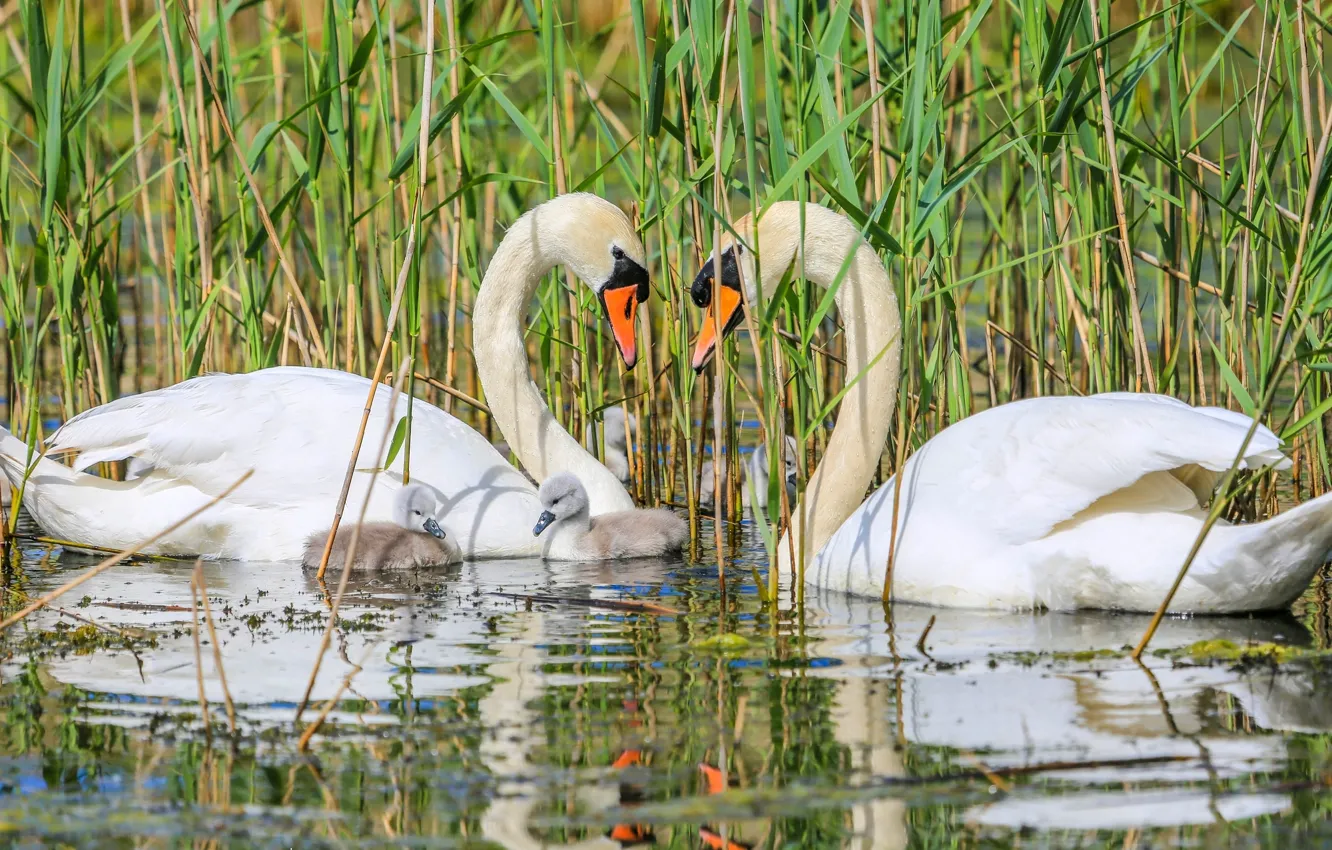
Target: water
[478,720]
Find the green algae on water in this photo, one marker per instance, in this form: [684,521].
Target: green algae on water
[1205,651]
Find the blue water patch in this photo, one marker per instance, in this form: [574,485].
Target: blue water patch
[30,783]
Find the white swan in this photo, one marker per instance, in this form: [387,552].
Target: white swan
[638,533]
[414,539]
[1057,502]
[295,428]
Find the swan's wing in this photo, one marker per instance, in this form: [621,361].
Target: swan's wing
[1024,467]
[1264,449]
[191,423]
[295,427]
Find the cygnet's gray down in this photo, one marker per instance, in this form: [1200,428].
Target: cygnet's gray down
[643,533]
[755,470]
[414,538]
[617,442]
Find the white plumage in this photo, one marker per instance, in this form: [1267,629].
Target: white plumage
[1078,503]
[295,427]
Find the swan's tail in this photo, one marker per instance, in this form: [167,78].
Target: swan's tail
[1266,565]
[13,456]
[16,457]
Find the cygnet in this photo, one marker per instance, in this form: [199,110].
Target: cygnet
[414,538]
[616,438]
[644,533]
[755,470]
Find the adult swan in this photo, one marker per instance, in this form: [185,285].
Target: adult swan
[1057,502]
[295,428]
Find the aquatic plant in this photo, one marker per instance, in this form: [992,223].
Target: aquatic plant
[1069,201]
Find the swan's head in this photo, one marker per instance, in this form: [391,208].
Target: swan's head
[737,277]
[777,234]
[596,240]
[563,496]
[416,509]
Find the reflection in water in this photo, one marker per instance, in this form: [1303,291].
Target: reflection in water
[478,716]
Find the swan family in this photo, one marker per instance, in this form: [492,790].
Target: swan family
[293,429]
[1056,502]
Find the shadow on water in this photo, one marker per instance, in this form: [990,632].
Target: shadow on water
[483,720]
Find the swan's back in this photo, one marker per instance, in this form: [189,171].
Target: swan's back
[643,533]
[206,432]
[382,546]
[1020,469]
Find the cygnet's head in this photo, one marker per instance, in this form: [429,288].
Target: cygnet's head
[415,509]
[790,461]
[615,430]
[599,244]
[563,496]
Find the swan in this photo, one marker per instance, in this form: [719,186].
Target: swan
[639,533]
[755,470]
[1054,502]
[295,428]
[616,440]
[414,539]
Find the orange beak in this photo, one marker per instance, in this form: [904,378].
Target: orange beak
[628,758]
[714,840]
[630,834]
[713,777]
[621,306]
[726,305]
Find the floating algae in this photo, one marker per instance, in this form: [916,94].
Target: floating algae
[1219,649]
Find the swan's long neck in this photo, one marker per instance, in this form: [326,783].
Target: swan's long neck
[527,252]
[867,304]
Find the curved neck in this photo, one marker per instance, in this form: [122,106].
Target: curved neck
[867,305]
[498,325]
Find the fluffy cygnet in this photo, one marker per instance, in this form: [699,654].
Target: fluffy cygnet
[617,442]
[414,538]
[756,470]
[644,533]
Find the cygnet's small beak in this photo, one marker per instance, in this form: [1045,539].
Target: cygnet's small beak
[434,529]
[545,520]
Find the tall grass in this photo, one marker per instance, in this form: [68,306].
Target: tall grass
[1070,200]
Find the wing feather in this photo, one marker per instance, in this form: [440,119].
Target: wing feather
[1024,467]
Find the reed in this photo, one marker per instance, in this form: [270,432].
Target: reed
[1070,200]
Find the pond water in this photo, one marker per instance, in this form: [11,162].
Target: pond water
[483,720]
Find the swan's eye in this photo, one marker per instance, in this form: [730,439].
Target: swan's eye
[617,252]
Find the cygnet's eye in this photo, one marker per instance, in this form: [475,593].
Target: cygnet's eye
[415,512]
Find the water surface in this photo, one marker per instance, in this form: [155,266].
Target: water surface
[471,719]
